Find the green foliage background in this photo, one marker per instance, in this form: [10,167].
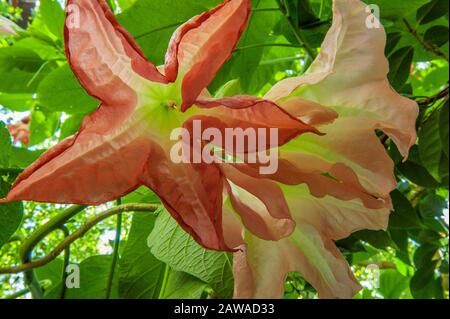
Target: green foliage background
[34,78]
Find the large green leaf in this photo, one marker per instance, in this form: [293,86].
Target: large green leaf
[141,274]
[172,245]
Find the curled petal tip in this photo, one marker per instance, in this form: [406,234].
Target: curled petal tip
[200,47]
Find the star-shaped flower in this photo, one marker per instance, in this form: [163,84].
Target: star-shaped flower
[126,142]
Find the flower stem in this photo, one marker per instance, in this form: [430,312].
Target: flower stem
[78,234]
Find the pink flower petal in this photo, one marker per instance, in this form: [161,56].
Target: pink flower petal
[103,55]
[200,47]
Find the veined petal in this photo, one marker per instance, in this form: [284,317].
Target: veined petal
[261,268]
[347,162]
[103,55]
[260,203]
[348,143]
[192,193]
[335,218]
[232,229]
[247,112]
[309,112]
[102,162]
[200,47]
[350,76]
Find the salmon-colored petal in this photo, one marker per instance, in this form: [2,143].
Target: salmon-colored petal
[103,55]
[348,162]
[350,76]
[348,143]
[193,195]
[261,267]
[102,162]
[232,229]
[200,47]
[335,218]
[260,203]
[247,112]
[309,112]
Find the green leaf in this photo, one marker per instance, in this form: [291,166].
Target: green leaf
[172,245]
[444,127]
[10,215]
[61,92]
[404,214]
[422,277]
[51,274]
[400,65]
[71,126]
[5,146]
[53,16]
[183,286]
[43,126]
[19,102]
[46,50]
[378,239]
[431,11]
[437,35]
[231,88]
[305,12]
[430,146]
[141,274]
[153,34]
[125,4]
[94,272]
[424,255]
[22,68]
[432,205]
[396,10]
[392,284]
[245,62]
[413,170]
[22,158]
[393,39]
